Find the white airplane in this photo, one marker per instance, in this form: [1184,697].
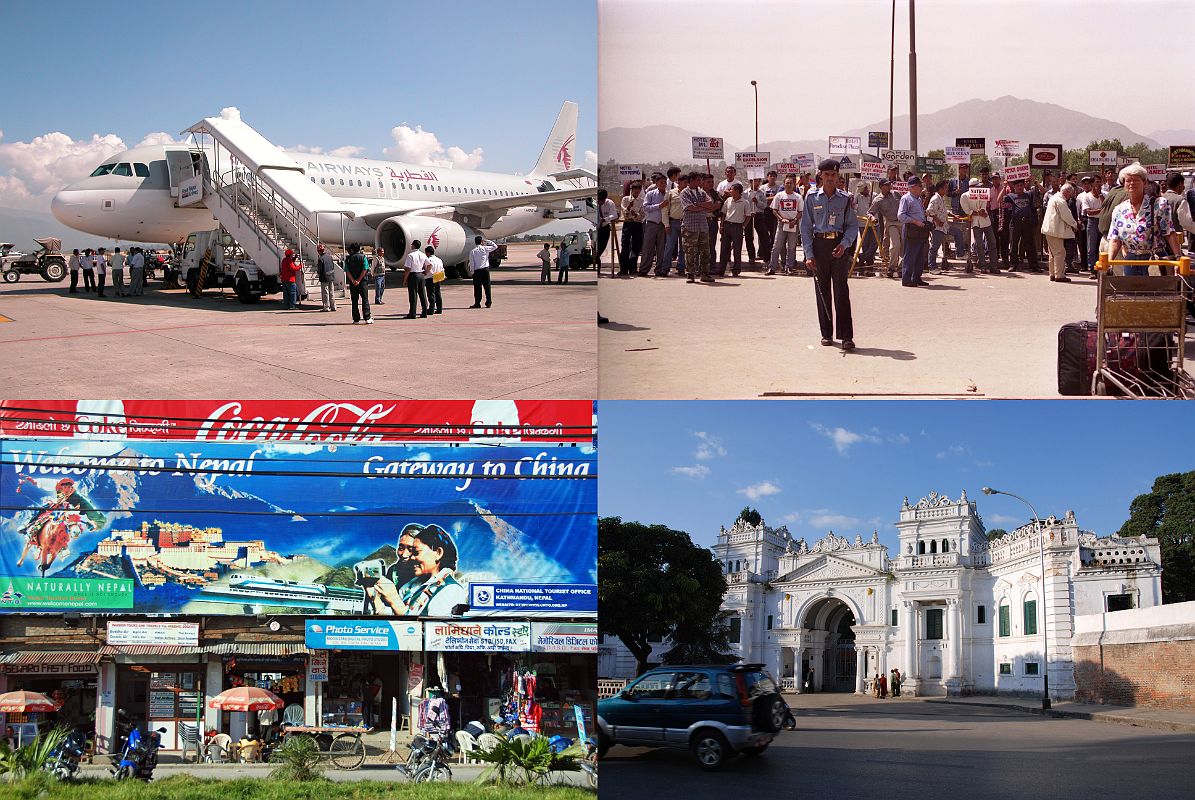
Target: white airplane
[135,195]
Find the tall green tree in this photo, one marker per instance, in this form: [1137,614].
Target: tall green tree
[750,516]
[702,642]
[656,583]
[1168,513]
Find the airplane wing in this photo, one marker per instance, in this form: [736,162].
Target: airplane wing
[481,213]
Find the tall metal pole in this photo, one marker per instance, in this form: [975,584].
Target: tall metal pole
[913,75]
[1045,635]
[756,87]
[891,75]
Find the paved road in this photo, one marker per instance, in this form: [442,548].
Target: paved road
[752,336]
[538,341]
[847,747]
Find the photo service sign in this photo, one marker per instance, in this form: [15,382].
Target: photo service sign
[301,421]
[200,528]
[363,634]
[1045,156]
[707,147]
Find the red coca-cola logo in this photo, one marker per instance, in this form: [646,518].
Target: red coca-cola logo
[330,422]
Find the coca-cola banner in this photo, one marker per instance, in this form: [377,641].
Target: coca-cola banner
[303,420]
[296,526]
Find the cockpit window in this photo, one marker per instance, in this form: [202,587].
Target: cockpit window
[141,170]
[125,170]
[102,169]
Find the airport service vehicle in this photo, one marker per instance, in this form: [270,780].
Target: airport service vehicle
[578,249]
[716,711]
[269,200]
[48,261]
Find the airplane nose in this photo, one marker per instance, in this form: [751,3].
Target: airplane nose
[66,205]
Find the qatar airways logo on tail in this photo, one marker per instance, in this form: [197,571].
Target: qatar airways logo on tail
[564,155]
[433,238]
[330,422]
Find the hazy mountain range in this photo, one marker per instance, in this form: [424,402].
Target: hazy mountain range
[1026,121]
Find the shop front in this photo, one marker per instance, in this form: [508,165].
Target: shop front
[358,666]
[69,678]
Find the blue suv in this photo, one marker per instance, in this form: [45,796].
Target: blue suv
[716,711]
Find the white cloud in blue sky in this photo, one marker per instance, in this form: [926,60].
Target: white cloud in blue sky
[695,471]
[761,489]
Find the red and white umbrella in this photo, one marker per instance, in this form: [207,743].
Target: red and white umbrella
[22,701]
[246,698]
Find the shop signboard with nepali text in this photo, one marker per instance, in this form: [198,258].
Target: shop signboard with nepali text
[469,637]
[314,528]
[317,666]
[564,637]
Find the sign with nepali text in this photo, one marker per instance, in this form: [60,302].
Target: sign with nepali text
[707,147]
[564,637]
[471,637]
[317,666]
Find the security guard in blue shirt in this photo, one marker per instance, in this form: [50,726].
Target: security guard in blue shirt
[829,228]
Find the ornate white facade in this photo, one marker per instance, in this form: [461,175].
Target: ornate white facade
[955,613]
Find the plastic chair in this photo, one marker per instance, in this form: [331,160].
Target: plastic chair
[465,745]
[293,715]
[189,734]
[219,749]
[525,738]
[487,742]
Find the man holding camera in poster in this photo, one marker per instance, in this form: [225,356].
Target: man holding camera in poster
[420,583]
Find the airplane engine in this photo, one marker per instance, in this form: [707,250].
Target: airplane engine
[452,240]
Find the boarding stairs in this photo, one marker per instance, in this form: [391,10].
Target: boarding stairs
[263,199]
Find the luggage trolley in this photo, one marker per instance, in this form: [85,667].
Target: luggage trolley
[1142,325]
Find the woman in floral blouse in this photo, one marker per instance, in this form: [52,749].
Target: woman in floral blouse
[1138,225]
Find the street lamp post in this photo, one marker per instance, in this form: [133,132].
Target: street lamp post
[1045,636]
[756,87]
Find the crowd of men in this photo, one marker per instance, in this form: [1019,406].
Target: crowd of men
[96,264]
[1057,222]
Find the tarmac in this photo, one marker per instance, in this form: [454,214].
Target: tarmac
[964,336]
[536,342]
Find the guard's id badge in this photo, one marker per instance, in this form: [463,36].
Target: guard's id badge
[833,220]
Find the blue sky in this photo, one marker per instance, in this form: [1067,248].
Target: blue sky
[846,465]
[474,74]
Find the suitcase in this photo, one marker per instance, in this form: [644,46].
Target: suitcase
[1076,358]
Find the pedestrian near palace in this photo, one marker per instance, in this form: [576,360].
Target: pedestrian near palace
[896,678]
[829,228]
[325,269]
[479,268]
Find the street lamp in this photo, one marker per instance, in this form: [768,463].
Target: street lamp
[756,87]
[1045,637]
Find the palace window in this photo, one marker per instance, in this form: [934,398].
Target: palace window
[769,621]
[921,548]
[895,618]
[933,623]
[1006,668]
[1004,621]
[945,545]
[1031,668]
[1030,617]
[933,546]
[1119,602]
[736,629]
[981,615]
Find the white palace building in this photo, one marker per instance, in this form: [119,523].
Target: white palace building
[955,613]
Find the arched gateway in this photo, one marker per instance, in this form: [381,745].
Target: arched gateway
[828,645]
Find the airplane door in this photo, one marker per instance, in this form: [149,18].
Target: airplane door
[181,167]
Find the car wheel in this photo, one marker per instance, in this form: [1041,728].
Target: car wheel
[768,713]
[711,749]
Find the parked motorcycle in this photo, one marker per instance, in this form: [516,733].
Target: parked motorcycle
[139,756]
[64,760]
[429,759]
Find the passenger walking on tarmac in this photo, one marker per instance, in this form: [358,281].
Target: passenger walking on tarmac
[433,277]
[325,269]
[829,228]
[356,272]
[286,274]
[88,264]
[118,273]
[479,268]
[101,267]
[137,272]
[414,267]
[545,259]
[379,276]
[73,266]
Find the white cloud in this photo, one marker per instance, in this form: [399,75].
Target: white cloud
[710,446]
[34,170]
[424,147]
[792,518]
[833,521]
[695,471]
[158,137]
[843,438]
[898,438]
[758,490]
[347,151]
[953,450]
[230,112]
[589,160]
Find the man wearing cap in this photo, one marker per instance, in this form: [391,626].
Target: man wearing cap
[829,228]
[981,229]
[286,274]
[912,216]
[326,270]
[884,209]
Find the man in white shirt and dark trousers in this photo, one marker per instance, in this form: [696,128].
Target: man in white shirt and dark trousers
[101,266]
[479,268]
[118,273]
[435,298]
[325,267]
[734,217]
[137,272]
[414,266]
